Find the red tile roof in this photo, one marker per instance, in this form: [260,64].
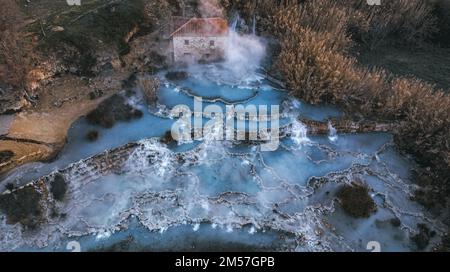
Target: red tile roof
[203,27]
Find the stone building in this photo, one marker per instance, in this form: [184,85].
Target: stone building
[199,40]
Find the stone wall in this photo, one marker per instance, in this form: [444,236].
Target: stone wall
[194,49]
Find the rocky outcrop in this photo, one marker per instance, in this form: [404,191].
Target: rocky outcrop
[147,53]
[23,152]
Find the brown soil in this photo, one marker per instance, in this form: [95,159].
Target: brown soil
[40,133]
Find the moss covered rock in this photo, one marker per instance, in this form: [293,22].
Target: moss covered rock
[395,222]
[10,186]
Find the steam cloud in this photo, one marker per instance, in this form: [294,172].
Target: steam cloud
[244,52]
[210,8]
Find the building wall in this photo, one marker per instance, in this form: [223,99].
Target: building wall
[198,49]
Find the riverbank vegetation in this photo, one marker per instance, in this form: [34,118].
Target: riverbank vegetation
[336,52]
[319,42]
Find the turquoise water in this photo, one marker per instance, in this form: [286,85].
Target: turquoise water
[225,194]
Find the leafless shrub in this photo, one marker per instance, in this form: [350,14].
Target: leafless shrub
[262,10]
[321,16]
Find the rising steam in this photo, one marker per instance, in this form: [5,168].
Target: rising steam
[244,51]
[210,8]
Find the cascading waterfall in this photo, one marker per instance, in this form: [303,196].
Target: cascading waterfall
[332,134]
[299,133]
[238,189]
[244,53]
[229,190]
[235,23]
[254,25]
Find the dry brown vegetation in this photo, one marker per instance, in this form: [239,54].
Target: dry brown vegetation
[407,21]
[356,200]
[315,38]
[14,51]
